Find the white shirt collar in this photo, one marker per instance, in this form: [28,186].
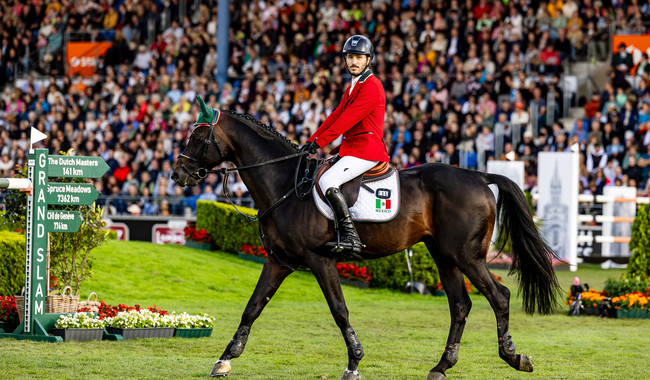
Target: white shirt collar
[355,80]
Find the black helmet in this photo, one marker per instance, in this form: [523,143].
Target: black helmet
[358,44]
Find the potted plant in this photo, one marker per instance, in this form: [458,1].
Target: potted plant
[350,274]
[79,327]
[255,253]
[632,305]
[197,238]
[591,301]
[143,323]
[8,314]
[193,326]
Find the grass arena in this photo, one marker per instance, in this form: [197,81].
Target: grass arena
[296,338]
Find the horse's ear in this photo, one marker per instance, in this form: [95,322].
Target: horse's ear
[206,113]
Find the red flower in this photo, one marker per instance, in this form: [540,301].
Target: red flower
[353,272]
[201,236]
[248,249]
[8,312]
[106,310]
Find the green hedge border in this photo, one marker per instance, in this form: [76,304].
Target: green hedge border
[12,263]
[228,229]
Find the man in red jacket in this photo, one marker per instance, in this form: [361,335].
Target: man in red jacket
[360,119]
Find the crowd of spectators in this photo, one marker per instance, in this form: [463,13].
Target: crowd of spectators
[466,82]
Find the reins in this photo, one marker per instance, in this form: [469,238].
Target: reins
[275,204]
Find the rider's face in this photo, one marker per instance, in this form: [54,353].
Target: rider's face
[356,62]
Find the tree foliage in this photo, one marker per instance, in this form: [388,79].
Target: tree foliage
[639,264]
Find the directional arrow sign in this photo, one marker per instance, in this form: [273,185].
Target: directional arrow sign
[70,193]
[77,167]
[62,221]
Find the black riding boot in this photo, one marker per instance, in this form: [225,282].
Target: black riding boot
[348,245]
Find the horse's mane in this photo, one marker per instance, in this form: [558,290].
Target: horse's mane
[248,119]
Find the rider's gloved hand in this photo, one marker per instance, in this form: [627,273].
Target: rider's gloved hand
[310,147]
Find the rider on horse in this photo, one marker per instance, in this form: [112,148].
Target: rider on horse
[360,118]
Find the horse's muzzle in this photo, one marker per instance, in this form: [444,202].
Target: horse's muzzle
[182,178]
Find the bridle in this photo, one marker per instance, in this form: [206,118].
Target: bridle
[202,172]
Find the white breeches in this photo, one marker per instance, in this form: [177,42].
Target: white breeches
[345,169]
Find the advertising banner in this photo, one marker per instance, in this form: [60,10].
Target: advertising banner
[558,202]
[636,45]
[82,57]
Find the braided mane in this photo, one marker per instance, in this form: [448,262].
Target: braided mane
[253,121]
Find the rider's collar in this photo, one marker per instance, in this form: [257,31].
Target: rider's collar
[364,75]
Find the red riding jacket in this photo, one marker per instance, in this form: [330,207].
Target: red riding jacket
[360,118]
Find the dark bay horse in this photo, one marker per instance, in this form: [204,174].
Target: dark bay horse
[451,210]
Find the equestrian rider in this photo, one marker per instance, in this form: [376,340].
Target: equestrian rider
[360,118]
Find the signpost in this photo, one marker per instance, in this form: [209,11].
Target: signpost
[76,167]
[62,221]
[70,193]
[41,220]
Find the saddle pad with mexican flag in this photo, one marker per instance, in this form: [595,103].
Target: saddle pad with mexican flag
[378,201]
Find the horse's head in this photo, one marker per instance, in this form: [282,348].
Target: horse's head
[203,151]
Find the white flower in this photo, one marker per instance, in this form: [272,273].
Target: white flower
[186,321]
[79,321]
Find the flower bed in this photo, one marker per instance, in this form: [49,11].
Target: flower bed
[631,305]
[254,250]
[132,322]
[193,326]
[353,273]
[197,238]
[79,327]
[8,313]
[255,253]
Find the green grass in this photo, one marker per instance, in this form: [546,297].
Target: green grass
[296,338]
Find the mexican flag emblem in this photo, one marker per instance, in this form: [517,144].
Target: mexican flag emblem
[383,204]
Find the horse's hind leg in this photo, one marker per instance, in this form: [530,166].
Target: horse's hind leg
[270,280]
[324,269]
[499,298]
[459,306]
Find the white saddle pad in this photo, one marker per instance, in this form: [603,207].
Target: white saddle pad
[381,205]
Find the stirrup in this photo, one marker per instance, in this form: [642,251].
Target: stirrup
[345,251]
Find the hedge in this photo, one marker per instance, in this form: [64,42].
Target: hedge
[639,264]
[392,271]
[12,263]
[5,225]
[228,229]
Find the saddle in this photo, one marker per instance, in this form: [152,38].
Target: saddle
[350,189]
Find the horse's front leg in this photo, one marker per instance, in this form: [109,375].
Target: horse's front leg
[270,280]
[324,269]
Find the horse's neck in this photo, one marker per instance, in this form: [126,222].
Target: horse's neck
[266,183]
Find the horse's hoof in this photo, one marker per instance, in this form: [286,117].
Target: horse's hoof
[350,375]
[221,368]
[525,364]
[435,375]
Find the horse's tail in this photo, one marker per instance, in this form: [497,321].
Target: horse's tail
[531,255]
